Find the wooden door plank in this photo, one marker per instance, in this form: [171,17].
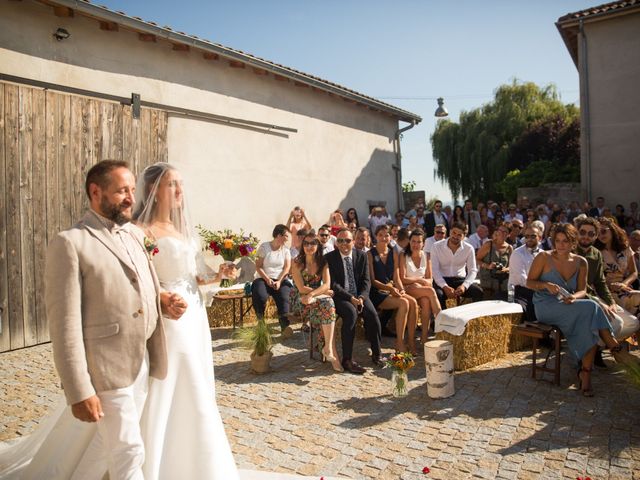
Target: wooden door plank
[5,337]
[14,252]
[39,211]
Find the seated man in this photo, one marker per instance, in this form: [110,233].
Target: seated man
[326,240]
[519,265]
[439,233]
[453,262]
[362,240]
[624,323]
[350,282]
[479,238]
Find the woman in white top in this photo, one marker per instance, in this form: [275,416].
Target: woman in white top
[272,268]
[415,274]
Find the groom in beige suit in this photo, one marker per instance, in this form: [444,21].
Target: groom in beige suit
[103,303]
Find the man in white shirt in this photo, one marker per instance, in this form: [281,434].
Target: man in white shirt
[377,218]
[324,235]
[513,214]
[439,233]
[454,267]
[519,265]
[433,218]
[477,239]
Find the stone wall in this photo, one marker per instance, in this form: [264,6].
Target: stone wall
[560,193]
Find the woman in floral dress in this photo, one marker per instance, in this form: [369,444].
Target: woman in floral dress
[310,296]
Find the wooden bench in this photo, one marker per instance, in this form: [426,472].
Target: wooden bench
[540,331]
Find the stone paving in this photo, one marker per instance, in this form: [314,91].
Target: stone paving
[302,418]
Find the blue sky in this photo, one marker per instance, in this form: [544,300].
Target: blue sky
[406,53]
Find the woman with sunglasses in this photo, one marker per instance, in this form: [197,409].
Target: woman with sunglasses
[387,292]
[310,296]
[415,274]
[619,267]
[352,217]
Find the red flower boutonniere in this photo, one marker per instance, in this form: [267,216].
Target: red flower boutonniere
[151,247]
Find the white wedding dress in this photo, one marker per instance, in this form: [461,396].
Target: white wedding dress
[181,427]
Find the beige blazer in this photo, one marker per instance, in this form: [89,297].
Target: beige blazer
[93,300]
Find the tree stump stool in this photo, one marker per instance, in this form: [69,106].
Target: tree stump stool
[438,362]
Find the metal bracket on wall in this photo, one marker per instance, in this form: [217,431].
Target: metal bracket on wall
[135,105]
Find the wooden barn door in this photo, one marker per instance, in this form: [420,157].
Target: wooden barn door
[48,142]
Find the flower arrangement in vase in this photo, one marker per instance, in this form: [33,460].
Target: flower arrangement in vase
[400,363]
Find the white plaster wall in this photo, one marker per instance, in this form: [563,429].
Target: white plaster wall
[613,47]
[341,156]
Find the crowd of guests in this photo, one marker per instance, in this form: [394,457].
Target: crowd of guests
[563,264]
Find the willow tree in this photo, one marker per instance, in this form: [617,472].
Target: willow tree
[473,156]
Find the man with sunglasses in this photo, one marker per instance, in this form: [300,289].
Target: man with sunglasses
[519,265]
[324,235]
[624,323]
[350,282]
[439,233]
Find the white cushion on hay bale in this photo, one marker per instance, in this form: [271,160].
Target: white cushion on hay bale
[480,332]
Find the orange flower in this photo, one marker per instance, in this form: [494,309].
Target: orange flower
[228,243]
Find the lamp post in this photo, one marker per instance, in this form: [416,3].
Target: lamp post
[441,111]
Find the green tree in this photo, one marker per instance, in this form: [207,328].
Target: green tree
[474,155]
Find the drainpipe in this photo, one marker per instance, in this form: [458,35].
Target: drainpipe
[398,165]
[584,108]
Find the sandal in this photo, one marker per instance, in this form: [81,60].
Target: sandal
[586,392]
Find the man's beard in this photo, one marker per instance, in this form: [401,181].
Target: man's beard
[115,212]
[583,246]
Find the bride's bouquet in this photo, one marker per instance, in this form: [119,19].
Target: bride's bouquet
[228,244]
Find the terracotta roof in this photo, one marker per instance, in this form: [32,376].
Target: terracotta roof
[605,8]
[569,25]
[103,13]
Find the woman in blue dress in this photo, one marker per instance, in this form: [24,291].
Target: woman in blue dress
[559,279]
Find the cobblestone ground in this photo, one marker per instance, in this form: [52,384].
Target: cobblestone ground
[303,418]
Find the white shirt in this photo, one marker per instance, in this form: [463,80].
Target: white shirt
[519,265]
[445,263]
[475,241]
[428,244]
[375,222]
[439,218]
[510,218]
[327,247]
[344,266]
[273,260]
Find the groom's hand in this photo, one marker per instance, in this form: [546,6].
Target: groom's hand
[89,410]
[173,305]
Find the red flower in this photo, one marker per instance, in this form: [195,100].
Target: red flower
[425,470]
[215,247]
[156,250]
[243,250]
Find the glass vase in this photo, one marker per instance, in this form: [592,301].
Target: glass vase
[399,383]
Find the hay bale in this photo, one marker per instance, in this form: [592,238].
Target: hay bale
[517,342]
[220,313]
[484,340]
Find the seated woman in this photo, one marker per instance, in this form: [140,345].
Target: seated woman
[336,222]
[415,275]
[352,217]
[387,292]
[310,295]
[619,267]
[493,263]
[272,268]
[559,280]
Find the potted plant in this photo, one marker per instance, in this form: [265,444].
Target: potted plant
[259,339]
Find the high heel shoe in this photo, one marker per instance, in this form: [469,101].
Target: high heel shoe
[335,363]
[586,392]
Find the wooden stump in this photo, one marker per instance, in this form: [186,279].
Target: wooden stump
[438,361]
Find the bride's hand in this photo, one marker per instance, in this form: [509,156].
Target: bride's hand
[173,305]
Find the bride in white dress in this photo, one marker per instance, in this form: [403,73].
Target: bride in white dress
[181,426]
